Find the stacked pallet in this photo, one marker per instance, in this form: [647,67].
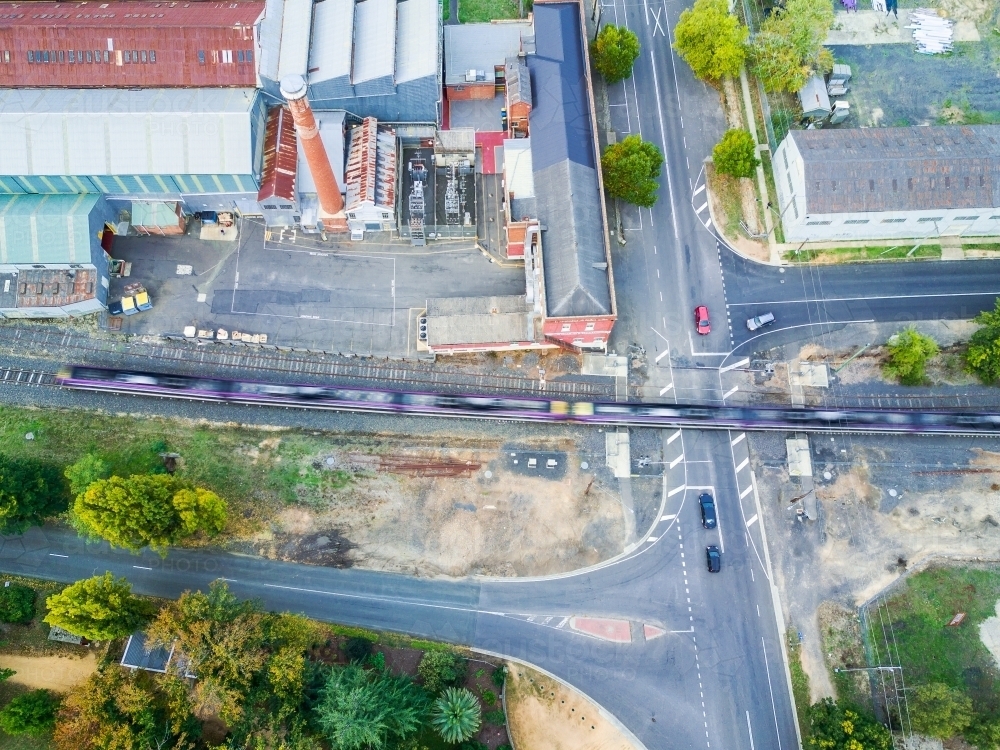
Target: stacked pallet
[932,34]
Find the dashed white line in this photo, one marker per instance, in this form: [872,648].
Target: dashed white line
[53,554]
[670,517]
[141,567]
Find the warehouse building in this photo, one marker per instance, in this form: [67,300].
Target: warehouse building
[283,38]
[126,44]
[886,183]
[377,58]
[51,260]
[202,147]
[475,55]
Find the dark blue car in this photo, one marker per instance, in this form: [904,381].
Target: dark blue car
[707,503]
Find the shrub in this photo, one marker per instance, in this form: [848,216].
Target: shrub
[98,608]
[983,354]
[908,355]
[85,472]
[32,713]
[441,669]
[938,710]
[736,154]
[30,492]
[496,717]
[456,715]
[358,649]
[17,603]
[377,660]
[489,697]
[499,675]
[833,727]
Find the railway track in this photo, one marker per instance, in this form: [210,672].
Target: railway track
[76,347]
[16,376]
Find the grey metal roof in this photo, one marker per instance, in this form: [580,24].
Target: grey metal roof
[813,99]
[900,169]
[332,40]
[478,320]
[374,40]
[283,35]
[564,165]
[139,656]
[517,80]
[480,46]
[418,41]
[116,131]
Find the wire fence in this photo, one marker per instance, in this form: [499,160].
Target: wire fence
[886,673]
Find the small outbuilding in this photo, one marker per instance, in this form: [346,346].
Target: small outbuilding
[157,217]
[814,99]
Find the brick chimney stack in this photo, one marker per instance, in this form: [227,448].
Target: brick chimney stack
[293,88]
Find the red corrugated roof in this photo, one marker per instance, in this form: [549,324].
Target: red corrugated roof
[126,44]
[280,156]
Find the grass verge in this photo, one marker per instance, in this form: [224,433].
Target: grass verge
[800,681]
[484,11]
[844,649]
[726,189]
[851,254]
[914,621]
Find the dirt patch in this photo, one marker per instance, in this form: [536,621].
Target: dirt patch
[885,506]
[546,715]
[497,516]
[57,673]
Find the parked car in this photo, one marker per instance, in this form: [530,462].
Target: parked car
[760,321]
[714,558]
[707,503]
[701,321]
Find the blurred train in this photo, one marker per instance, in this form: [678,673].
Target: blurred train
[525,408]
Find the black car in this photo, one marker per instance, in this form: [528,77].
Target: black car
[707,503]
[714,559]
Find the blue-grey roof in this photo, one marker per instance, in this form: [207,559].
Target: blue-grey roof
[564,166]
[139,656]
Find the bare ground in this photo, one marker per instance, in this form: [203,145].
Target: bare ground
[545,715]
[57,673]
[890,504]
[513,522]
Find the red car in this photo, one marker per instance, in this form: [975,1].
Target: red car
[701,320]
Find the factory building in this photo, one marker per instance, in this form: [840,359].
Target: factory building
[128,44]
[201,146]
[52,263]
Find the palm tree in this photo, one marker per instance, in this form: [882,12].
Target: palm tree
[456,715]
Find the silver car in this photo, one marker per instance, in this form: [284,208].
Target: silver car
[760,321]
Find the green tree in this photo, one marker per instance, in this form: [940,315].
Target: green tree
[984,733]
[223,639]
[736,154]
[789,47]
[631,167]
[711,40]
[832,727]
[6,674]
[983,355]
[31,713]
[115,709]
[147,510]
[30,492]
[17,603]
[938,710]
[909,351]
[456,715]
[98,608]
[614,51]
[87,470]
[361,710]
[441,669]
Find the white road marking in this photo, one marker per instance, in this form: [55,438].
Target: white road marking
[853,299]
[663,141]
[669,517]
[141,567]
[562,622]
[53,554]
[652,538]
[746,492]
[752,520]
[661,355]
[673,437]
[698,190]
[730,392]
[666,388]
[750,730]
[676,461]
[708,222]
[774,708]
[701,208]
[675,490]
[734,365]
[743,464]
[738,439]
[384,599]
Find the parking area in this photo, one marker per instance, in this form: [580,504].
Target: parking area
[294,290]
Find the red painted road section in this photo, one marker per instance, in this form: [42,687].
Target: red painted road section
[488,142]
[650,632]
[617,631]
